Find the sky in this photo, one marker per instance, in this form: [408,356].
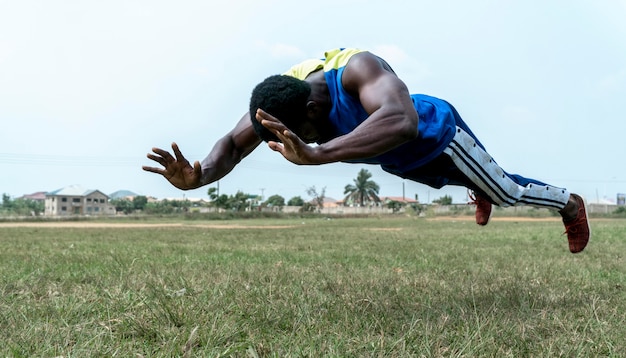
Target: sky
[87,88]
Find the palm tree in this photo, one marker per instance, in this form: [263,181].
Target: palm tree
[363,190]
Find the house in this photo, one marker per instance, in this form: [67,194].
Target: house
[328,203]
[129,195]
[75,200]
[38,196]
[123,194]
[400,199]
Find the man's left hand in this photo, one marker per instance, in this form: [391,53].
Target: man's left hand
[292,147]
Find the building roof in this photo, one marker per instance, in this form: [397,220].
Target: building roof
[328,202]
[399,199]
[40,195]
[193,200]
[73,190]
[123,194]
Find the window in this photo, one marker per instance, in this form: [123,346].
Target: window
[89,200]
[76,200]
[101,201]
[64,200]
[63,208]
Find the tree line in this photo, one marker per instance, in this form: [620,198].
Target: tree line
[21,206]
[361,192]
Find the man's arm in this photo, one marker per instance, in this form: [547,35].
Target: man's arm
[226,153]
[229,151]
[392,118]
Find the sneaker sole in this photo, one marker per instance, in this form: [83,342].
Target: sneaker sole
[588,224]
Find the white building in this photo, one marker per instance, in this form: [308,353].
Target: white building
[75,200]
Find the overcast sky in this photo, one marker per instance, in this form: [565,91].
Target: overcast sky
[87,88]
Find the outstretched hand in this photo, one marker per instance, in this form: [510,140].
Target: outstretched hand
[292,147]
[177,170]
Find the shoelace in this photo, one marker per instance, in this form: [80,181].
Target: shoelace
[572,226]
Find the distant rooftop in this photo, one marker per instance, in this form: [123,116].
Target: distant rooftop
[122,194]
[398,198]
[72,190]
[40,195]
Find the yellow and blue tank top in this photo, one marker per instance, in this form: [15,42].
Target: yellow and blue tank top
[436,117]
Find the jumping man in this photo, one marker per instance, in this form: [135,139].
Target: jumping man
[352,104]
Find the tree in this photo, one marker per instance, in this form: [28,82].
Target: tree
[36,207]
[275,200]
[295,201]
[21,206]
[213,193]
[6,201]
[221,202]
[167,207]
[122,205]
[160,207]
[318,198]
[394,205]
[139,202]
[240,201]
[363,190]
[217,200]
[444,200]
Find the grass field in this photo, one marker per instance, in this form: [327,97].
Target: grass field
[375,287]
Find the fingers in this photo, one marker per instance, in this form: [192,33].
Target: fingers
[177,152]
[262,115]
[163,153]
[275,146]
[273,126]
[157,158]
[164,158]
[197,168]
[153,170]
[268,121]
[289,135]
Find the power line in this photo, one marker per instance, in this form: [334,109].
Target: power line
[133,161]
[138,161]
[66,160]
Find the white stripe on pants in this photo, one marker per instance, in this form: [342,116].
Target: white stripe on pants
[502,188]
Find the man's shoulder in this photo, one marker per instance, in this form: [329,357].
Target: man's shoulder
[339,58]
[304,68]
[333,59]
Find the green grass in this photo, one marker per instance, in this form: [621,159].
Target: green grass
[375,287]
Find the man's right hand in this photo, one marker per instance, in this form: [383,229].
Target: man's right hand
[176,169]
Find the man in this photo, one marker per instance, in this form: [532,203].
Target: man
[352,104]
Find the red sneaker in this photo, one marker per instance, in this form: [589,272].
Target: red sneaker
[577,229]
[483,208]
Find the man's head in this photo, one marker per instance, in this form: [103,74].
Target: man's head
[285,98]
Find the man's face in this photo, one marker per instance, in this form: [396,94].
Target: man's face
[313,128]
[307,132]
